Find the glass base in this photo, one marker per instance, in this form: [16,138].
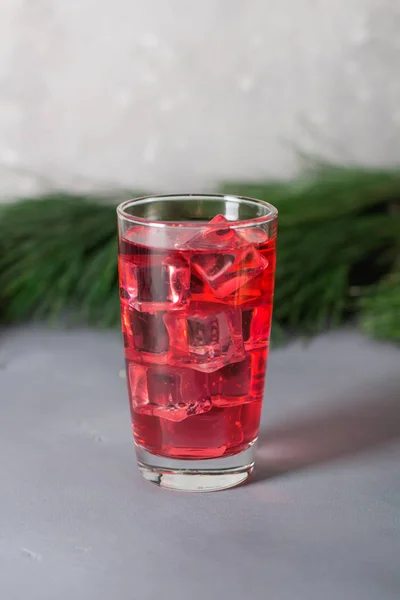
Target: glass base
[209,475]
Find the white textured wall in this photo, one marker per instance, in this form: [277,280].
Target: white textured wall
[177,94]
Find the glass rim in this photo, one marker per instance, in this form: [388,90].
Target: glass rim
[123,214]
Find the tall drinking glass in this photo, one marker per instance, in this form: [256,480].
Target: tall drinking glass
[196,277]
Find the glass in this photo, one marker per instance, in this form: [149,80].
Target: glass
[196,277]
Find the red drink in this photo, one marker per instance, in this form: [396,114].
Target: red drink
[196,315]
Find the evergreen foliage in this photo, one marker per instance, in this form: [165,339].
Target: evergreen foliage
[338,253]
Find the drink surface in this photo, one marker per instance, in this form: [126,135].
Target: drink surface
[196,313]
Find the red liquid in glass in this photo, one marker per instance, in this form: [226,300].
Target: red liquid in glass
[196,314]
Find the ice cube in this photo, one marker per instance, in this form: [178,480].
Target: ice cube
[239,383]
[207,436]
[202,437]
[227,273]
[137,385]
[256,325]
[211,238]
[164,286]
[230,385]
[254,290]
[206,337]
[153,285]
[149,238]
[145,335]
[127,279]
[234,264]
[200,291]
[168,393]
[254,235]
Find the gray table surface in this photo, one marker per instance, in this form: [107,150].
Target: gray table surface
[321,519]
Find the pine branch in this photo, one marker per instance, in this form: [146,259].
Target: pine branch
[48,247]
[339,241]
[380,309]
[325,192]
